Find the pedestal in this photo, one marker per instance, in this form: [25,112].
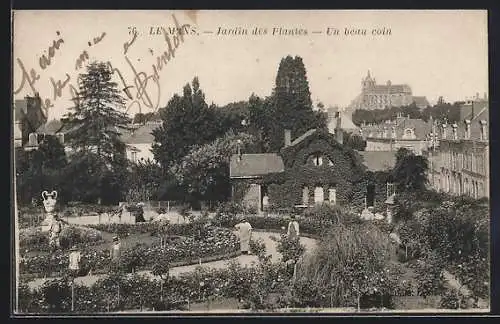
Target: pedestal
[47,222]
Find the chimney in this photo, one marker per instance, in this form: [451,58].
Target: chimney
[484,130]
[288,137]
[485,96]
[239,144]
[467,129]
[455,134]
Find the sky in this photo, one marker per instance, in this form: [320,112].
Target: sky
[437,53]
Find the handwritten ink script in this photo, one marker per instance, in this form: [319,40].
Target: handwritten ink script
[142,91]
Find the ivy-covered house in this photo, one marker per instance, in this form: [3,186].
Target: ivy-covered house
[312,169]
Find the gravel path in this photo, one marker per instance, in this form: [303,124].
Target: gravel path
[242,259]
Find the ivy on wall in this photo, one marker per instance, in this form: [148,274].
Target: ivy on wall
[346,174]
[286,188]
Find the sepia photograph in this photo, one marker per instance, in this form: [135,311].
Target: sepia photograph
[174,162]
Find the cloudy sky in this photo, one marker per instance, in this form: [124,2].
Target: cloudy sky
[438,53]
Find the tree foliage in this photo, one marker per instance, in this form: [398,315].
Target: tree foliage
[40,169]
[97,118]
[441,111]
[187,121]
[292,100]
[98,163]
[204,171]
[354,141]
[410,171]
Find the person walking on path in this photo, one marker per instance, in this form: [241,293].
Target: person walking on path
[245,233]
[293,228]
[139,213]
[115,252]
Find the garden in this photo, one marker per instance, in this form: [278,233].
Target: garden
[355,264]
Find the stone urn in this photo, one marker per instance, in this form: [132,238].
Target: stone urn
[49,202]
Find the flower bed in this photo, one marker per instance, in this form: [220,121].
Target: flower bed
[217,241]
[115,293]
[33,239]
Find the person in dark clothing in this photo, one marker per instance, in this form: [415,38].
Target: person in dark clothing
[139,213]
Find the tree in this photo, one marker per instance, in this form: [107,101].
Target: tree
[96,119]
[410,171]
[187,121]
[95,123]
[354,141]
[292,100]
[204,172]
[40,169]
[144,181]
[262,122]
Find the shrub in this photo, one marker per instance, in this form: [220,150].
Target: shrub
[217,242]
[453,299]
[290,248]
[430,277]
[258,247]
[351,262]
[33,239]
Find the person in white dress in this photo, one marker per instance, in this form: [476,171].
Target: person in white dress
[293,228]
[245,232]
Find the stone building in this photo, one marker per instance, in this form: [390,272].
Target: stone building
[139,141]
[402,132]
[381,96]
[314,168]
[460,165]
[28,116]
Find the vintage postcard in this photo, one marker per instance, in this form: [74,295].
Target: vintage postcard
[204,161]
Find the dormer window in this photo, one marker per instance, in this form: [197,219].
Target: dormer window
[318,160]
[408,133]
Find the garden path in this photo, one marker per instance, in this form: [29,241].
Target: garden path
[248,260]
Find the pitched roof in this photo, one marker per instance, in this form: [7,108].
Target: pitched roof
[378,160]
[140,134]
[252,165]
[421,128]
[420,101]
[475,126]
[51,127]
[345,123]
[303,136]
[393,88]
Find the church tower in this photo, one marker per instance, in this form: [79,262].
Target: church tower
[368,83]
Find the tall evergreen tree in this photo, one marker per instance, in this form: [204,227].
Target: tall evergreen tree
[99,114]
[95,125]
[292,100]
[187,121]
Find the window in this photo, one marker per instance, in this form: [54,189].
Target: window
[33,139]
[317,160]
[305,196]
[319,195]
[332,196]
[133,155]
[408,133]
